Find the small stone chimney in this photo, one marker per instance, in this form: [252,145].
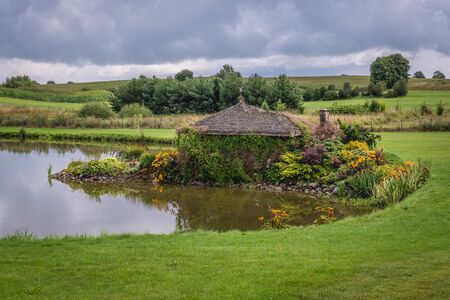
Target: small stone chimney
[324,116]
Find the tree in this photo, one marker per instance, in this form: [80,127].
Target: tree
[285,90]
[227,69]
[137,90]
[419,74]
[347,89]
[184,74]
[389,69]
[230,88]
[438,75]
[50,82]
[256,90]
[308,95]
[19,81]
[401,87]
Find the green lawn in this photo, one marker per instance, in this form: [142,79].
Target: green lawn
[402,252]
[411,101]
[160,132]
[42,104]
[97,134]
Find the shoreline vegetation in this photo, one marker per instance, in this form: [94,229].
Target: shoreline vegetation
[330,160]
[411,262]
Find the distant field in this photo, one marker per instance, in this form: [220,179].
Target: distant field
[303,81]
[42,104]
[411,101]
[74,88]
[363,81]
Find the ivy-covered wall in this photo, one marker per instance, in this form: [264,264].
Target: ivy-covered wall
[229,159]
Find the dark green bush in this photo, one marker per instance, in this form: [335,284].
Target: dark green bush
[354,109]
[376,106]
[357,133]
[401,87]
[107,166]
[440,109]
[146,159]
[425,109]
[134,109]
[390,94]
[330,95]
[132,153]
[308,95]
[19,81]
[96,109]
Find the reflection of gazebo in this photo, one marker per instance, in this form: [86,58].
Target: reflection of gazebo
[244,119]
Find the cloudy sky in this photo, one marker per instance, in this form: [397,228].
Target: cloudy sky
[87,40]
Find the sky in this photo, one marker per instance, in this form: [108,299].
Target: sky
[96,40]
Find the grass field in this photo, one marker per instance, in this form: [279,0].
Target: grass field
[97,134]
[42,104]
[76,88]
[412,101]
[402,252]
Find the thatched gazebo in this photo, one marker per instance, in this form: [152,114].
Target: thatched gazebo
[237,144]
[244,119]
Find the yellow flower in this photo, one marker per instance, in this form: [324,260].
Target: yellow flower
[409,163]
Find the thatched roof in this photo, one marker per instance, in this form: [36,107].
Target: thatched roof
[244,119]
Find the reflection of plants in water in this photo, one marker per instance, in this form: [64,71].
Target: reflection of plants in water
[277,220]
[326,215]
[49,175]
[218,209]
[45,148]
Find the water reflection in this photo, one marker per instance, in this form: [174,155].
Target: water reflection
[28,202]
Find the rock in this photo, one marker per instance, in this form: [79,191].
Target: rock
[334,191]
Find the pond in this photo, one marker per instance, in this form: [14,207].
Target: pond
[30,202]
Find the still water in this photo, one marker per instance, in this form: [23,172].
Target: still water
[30,202]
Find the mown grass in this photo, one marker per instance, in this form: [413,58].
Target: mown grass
[42,104]
[402,252]
[412,101]
[97,134]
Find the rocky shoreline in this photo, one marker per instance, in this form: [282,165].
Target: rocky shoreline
[143,176]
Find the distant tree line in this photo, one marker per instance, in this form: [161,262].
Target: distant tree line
[185,94]
[331,93]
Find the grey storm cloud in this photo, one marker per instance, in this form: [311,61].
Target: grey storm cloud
[107,32]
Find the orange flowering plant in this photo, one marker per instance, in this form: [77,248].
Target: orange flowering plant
[277,220]
[164,165]
[358,156]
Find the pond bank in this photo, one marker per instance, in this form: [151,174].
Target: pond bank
[155,136]
[144,176]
